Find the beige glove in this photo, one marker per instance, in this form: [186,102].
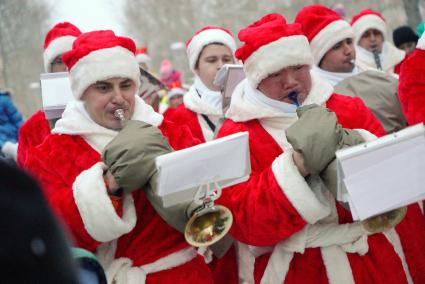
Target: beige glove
[317,135]
[130,156]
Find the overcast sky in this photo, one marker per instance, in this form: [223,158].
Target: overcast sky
[89,15]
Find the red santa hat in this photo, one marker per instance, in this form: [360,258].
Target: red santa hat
[270,45]
[100,55]
[204,37]
[58,41]
[142,56]
[324,28]
[368,19]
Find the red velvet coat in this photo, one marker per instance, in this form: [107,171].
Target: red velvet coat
[31,134]
[264,215]
[411,89]
[61,159]
[184,116]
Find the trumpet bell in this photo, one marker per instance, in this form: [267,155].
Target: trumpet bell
[385,221]
[208,226]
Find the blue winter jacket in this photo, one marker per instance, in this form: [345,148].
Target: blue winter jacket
[10,119]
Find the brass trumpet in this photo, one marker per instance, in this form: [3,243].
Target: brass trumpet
[210,222]
[119,113]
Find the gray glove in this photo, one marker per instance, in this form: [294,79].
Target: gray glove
[317,135]
[130,156]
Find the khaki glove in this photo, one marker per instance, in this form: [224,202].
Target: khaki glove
[130,156]
[317,135]
[349,138]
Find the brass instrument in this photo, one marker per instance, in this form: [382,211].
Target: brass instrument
[210,222]
[119,113]
[385,221]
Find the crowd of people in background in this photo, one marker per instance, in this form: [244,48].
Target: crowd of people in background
[92,173]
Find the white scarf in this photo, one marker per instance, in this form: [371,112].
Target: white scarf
[256,97]
[390,57]
[202,100]
[243,108]
[76,121]
[334,78]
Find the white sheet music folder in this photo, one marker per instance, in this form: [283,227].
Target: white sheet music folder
[56,93]
[225,161]
[383,174]
[228,77]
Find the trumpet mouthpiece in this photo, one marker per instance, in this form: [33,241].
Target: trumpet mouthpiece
[119,113]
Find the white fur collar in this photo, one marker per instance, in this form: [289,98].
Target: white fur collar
[76,121]
[210,102]
[242,109]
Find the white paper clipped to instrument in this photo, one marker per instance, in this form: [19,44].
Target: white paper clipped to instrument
[56,93]
[384,174]
[224,161]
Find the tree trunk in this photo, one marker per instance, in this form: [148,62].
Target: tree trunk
[412,12]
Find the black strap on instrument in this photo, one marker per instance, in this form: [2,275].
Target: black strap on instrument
[211,125]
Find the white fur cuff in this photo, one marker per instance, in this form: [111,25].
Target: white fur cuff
[97,212]
[297,190]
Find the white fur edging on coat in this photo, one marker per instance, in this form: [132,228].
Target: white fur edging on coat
[122,271]
[97,212]
[297,190]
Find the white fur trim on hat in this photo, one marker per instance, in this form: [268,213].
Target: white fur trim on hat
[204,38]
[175,92]
[328,37]
[369,22]
[143,58]
[55,48]
[95,206]
[103,64]
[273,57]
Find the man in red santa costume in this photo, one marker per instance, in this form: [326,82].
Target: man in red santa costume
[332,45]
[58,41]
[412,86]
[133,243]
[290,230]
[208,50]
[330,40]
[143,58]
[373,48]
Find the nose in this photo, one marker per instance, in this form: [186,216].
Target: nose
[348,49]
[288,80]
[118,97]
[220,64]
